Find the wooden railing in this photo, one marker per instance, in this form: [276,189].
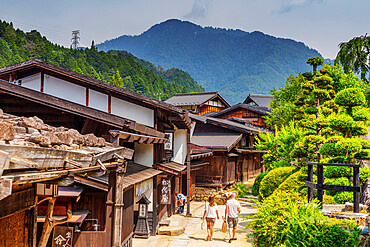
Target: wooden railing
[208,180]
[320,186]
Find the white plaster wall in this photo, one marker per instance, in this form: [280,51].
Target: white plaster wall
[32,82]
[148,194]
[143,154]
[131,111]
[180,145]
[65,90]
[98,100]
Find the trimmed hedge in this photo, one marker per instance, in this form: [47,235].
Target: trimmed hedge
[274,179]
[337,172]
[292,183]
[257,183]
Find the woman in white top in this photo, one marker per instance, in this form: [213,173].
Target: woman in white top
[210,213]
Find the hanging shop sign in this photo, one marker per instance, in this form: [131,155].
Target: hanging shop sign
[165,191]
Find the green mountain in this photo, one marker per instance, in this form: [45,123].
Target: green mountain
[233,62]
[119,68]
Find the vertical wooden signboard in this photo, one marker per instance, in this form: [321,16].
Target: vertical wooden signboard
[62,236]
[165,191]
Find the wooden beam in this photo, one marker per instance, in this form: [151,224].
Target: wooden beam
[17,202]
[4,160]
[50,222]
[5,188]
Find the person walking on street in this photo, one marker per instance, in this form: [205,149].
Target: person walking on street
[232,212]
[181,202]
[210,213]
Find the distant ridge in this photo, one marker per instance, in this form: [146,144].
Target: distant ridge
[233,62]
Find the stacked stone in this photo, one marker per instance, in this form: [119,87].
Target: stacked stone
[203,193]
[32,131]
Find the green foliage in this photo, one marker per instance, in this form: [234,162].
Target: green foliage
[233,62]
[315,61]
[353,55]
[119,68]
[294,183]
[343,197]
[350,97]
[273,180]
[364,174]
[337,172]
[242,190]
[257,183]
[284,219]
[328,199]
[336,181]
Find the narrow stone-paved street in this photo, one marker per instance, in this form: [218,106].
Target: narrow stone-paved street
[195,236]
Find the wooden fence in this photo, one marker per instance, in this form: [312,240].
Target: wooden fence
[320,186]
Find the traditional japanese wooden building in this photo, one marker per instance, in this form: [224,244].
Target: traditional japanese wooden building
[64,98]
[234,158]
[199,103]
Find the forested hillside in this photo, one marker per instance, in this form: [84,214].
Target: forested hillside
[233,62]
[119,68]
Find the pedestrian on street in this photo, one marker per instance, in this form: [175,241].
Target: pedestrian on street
[181,198]
[232,212]
[210,213]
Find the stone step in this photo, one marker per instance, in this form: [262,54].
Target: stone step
[171,230]
[165,222]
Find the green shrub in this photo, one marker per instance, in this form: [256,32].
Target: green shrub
[350,97]
[328,199]
[337,172]
[242,190]
[273,179]
[364,174]
[257,182]
[292,183]
[336,181]
[283,219]
[343,197]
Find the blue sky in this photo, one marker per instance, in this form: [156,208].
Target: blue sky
[320,24]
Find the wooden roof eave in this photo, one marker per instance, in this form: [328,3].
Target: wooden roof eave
[132,137]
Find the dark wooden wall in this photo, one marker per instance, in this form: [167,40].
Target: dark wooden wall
[208,108]
[128,213]
[15,230]
[245,113]
[94,201]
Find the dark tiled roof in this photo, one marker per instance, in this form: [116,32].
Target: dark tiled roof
[91,81]
[258,109]
[227,124]
[216,141]
[259,100]
[187,99]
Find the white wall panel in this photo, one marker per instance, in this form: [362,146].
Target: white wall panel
[143,154]
[180,145]
[148,194]
[131,111]
[65,90]
[98,100]
[32,82]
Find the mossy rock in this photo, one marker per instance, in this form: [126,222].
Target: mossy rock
[274,179]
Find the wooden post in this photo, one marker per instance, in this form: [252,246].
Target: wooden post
[155,206]
[356,195]
[188,213]
[320,182]
[34,231]
[109,217]
[118,207]
[310,179]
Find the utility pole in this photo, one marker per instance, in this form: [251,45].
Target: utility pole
[75,38]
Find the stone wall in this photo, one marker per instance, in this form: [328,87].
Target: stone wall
[202,194]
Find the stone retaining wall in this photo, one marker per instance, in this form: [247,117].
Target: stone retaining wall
[202,194]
